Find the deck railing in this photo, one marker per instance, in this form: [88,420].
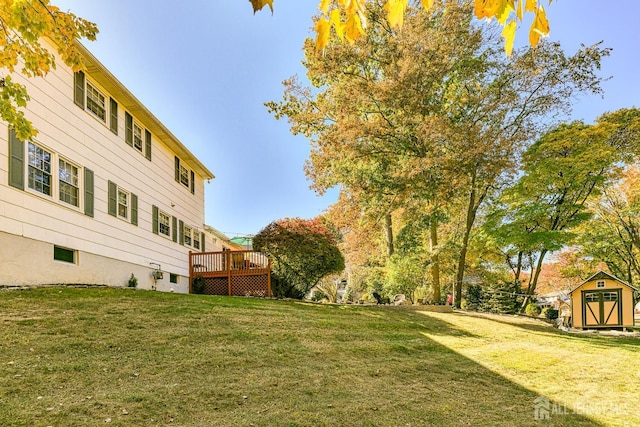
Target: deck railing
[246,272]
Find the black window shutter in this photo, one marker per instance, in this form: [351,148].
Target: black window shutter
[181,232]
[113,111]
[147,144]
[78,92]
[128,128]
[16,161]
[134,209]
[113,199]
[202,239]
[177,162]
[193,183]
[154,222]
[88,192]
[175,228]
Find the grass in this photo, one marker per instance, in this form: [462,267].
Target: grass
[89,357]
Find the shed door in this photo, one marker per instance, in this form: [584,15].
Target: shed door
[602,308]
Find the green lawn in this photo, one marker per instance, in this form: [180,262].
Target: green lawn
[84,357]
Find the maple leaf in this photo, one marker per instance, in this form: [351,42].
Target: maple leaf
[322,27]
[509,34]
[336,23]
[353,28]
[395,12]
[539,27]
[259,4]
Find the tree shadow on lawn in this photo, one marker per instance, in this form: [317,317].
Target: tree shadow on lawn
[476,395]
[533,325]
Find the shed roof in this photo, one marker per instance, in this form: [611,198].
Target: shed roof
[602,275]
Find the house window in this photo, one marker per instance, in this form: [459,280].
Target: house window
[196,241]
[64,254]
[600,284]
[188,232]
[39,169]
[40,166]
[164,223]
[96,102]
[137,137]
[173,278]
[184,176]
[123,204]
[69,190]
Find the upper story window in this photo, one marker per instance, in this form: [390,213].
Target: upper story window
[96,102]
[89,97]
[69,191]
[184,176]
[137,136]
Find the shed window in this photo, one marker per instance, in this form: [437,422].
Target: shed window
[600,284]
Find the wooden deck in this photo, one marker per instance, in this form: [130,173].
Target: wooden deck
[242,273]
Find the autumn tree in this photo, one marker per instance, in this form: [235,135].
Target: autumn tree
[613,236]
[25,24]
[561,172]
[302,251]
[374,125]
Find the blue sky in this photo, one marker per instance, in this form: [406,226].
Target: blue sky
[205,69]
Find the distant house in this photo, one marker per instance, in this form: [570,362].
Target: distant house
[104,191]
[602,301]
[218,241]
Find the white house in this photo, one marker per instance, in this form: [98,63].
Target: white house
[103,192]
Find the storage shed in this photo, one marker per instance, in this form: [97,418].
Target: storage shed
[602,301]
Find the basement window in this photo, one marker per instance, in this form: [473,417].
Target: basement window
[64,254]
[173,278]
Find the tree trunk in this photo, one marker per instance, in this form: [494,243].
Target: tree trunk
[472,209]
[533,283]
[388,234]
[435,259]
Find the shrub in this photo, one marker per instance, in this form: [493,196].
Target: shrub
[550,313]
[198,285]
[532,309]
[133,281]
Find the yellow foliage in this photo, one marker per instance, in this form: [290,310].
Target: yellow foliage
[539,27]
[259,4]
[322,27]
[509,34]
[428,4]
[395,12]
[347,17]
